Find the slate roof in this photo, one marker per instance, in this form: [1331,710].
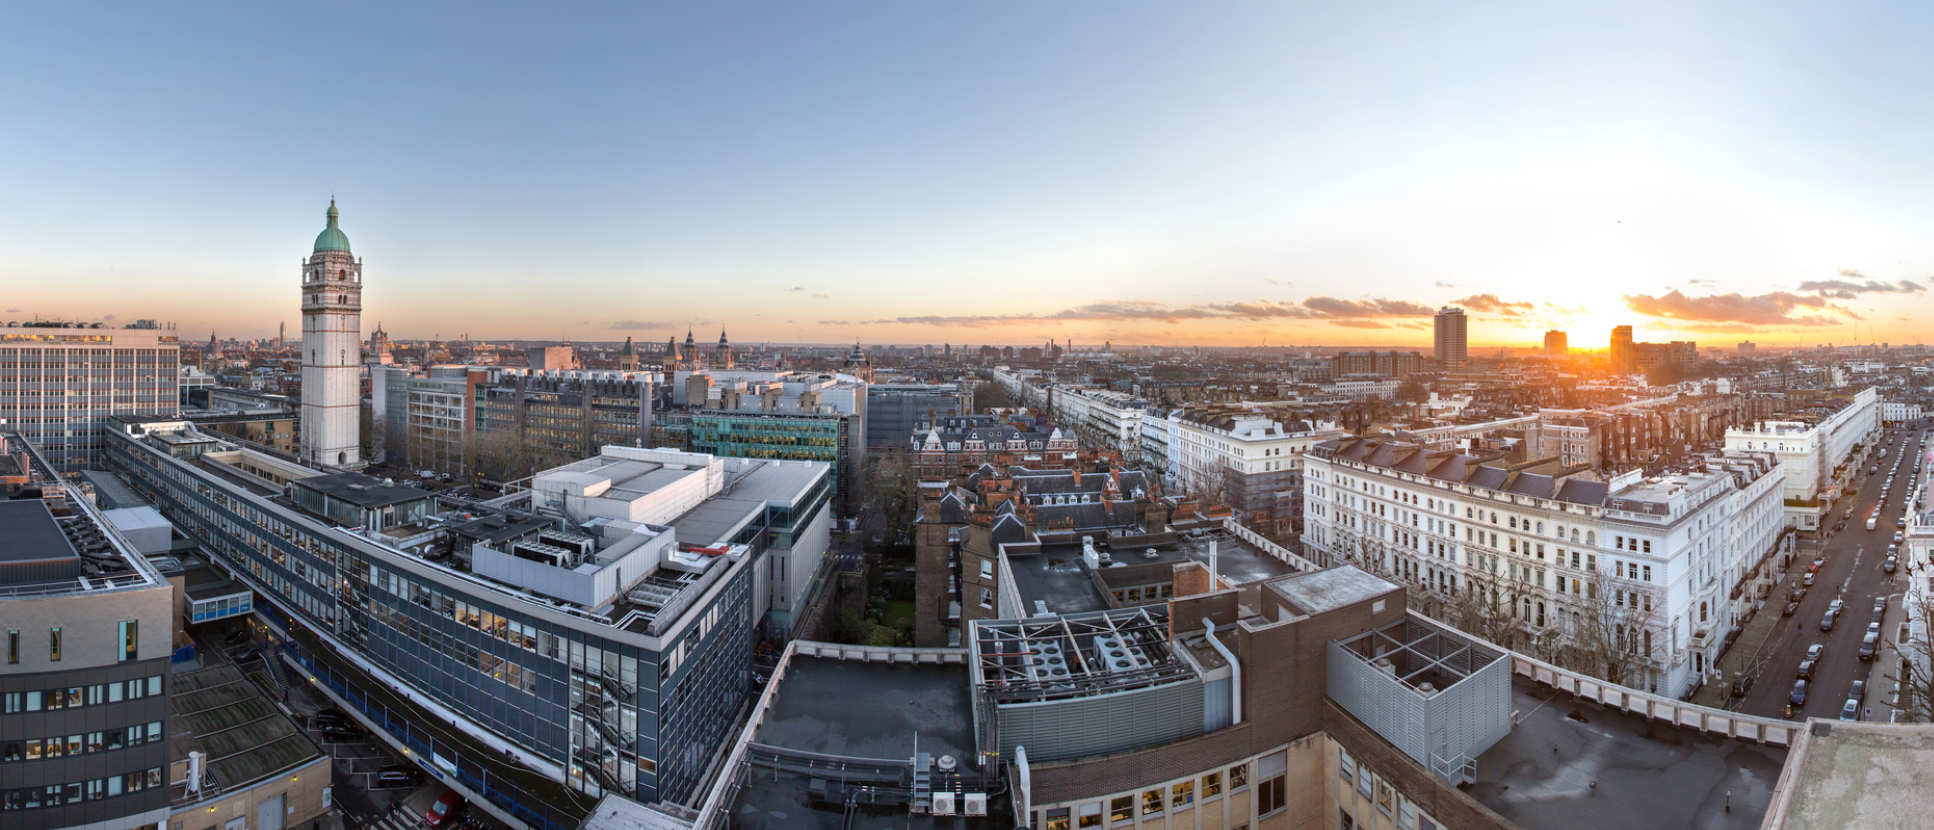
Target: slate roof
[1463,468]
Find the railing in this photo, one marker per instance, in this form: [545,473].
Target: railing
[879,654]
[1773,731]
[1257,540]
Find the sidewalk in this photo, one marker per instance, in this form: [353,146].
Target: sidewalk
[1744,656]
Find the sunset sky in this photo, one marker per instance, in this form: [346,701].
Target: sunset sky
[1185,173]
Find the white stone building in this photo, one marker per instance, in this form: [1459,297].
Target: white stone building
[1894,412]
[1536,542]
[1101,417]
[1814,453]
[332,351]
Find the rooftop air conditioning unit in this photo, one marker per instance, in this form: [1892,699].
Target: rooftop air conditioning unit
[943,804]
[974,804]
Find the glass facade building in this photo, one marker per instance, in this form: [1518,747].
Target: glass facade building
[626,705]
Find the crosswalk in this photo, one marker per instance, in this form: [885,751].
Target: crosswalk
[399,818]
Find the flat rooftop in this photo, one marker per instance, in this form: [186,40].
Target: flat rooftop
[219,711]
[31,533]
[871,710]
[1575,764]
[749,486]
[865,710]
[1857,774]
[1325,590]
[362,490]
[1058,577]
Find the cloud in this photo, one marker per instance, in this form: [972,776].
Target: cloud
[835,322]
[1360,324]
[1490,304]
[1442,284]
[797,288]
[1851,274]
[108,318]
[1848,289]
[1313,308]
[1775,308]
[13,311]
[635,325]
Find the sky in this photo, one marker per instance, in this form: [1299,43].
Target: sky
[1196,173]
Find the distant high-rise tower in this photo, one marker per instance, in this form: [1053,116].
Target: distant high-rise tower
[1556,343]
[281,333]
[1452,343]
[332,350]
[1624,358]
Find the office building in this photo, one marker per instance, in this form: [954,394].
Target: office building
[1747,347]
[779,415]
[1452,342]
[1556,343]
[60,381]
[894,409]
[1390,364]
[465,420]
[592,634]
[84,732]
[1544,547]
[332,350]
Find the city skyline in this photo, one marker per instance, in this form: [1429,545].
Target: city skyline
[1217,177]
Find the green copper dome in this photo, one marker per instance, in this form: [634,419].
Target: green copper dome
[332,238]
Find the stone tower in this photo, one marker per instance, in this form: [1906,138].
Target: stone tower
[722,357]
[332,306]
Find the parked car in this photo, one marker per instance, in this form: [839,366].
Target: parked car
[1807,580]
[1790,608]
[339,734]
[1858,691]
[1880,606]
[1813,652]
[1869,644]
[1741,685]
[1826,621]
[1889,564]
[1799,593]
[1797,697]
[394,778]
[1805,669]
[1836,606]
[446,804]
[1850,710]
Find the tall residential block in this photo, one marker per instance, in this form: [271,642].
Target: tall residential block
[1556,344]
[332,350]
[1452,341]
[1624,357]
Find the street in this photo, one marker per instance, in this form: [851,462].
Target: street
[1852,573]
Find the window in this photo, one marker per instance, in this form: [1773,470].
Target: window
[987,598]
[1211,785]
[1151,802]
[1385,795]
[1271,783]
[1238,777]
[1122,809]
[130,637]
[1057,819]
[1090,815]
[13,646]
[53,644]
[1183,794]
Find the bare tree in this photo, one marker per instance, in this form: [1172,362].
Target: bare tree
[892,486]
[1913,667]
[506,455]
[1607,631]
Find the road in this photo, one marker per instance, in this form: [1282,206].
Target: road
[1853,574]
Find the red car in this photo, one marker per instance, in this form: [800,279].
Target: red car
[444,806]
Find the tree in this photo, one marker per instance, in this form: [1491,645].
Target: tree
[989,395]
[505,455]
[1913,667]
[1412,391]
[893,489]
[1607,632]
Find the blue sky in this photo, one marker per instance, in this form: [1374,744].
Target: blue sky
[923,172]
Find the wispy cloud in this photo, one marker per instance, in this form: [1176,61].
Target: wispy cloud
[822,296]
[1314,308]
[1491,304]
[1848,289]
[1442,284]
[1774,308]
[636,325]
[796,289]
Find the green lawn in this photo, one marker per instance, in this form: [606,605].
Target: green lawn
[897,611]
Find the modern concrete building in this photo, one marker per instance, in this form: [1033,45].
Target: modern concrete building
[1555,553]
[332,351]
[85,685]
[60,381]
[591,636]
[1451,338]
[780,415]
[893,409]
